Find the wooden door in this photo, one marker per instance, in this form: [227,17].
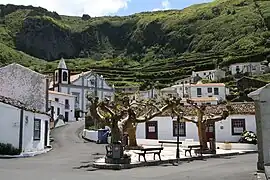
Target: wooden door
[210,131]
[151,130]
[66,116]
[46,130]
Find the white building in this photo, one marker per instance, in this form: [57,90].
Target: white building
[202,100]
[184,81]
[169,91]
[62,104]
[217,90]
[80,85]
[213,75]
[183,90]
[230,129]
[249,67]
[25,128]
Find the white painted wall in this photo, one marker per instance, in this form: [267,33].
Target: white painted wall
[202,74]
[221,89]
[29,144]
[61,104]
[10,128]
[83,85]
[9,124]
[253,67]
[57,105]
[165,131]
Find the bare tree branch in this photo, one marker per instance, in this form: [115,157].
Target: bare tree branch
[107,109]
[147,118]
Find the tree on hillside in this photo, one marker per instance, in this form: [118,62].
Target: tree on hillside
[203,120]
[123,114]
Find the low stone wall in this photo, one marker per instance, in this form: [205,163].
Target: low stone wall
[239,146]
[90,135]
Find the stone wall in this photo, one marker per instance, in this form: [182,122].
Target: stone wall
[24,85]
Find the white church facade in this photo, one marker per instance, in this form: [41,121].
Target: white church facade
[79,85]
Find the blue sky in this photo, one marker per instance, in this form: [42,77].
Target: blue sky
[149,5]
[105,7]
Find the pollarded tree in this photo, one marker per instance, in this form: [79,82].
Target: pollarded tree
[203,120]
[124,113]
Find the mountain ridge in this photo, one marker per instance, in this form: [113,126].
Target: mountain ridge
[220,32]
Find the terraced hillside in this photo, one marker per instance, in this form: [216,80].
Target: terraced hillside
[145,48]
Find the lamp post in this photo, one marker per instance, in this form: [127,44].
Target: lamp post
[179,119]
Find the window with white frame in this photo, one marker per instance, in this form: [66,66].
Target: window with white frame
[37,129]
[216,91]
[238,126]
[182,130]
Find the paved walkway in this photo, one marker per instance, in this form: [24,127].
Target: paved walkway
[71,151]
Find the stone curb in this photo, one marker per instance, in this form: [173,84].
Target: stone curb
[24,155]
[169,161]
[88,139]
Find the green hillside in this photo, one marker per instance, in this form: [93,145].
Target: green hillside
[151,47]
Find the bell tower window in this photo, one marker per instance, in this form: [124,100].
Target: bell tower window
[65,76]
[56,77]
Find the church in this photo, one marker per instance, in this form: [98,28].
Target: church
[79,85]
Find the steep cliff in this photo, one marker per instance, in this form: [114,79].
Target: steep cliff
[223,31]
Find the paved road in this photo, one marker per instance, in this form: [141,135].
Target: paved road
[71,152]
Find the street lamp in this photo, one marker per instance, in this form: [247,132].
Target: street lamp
[179,119]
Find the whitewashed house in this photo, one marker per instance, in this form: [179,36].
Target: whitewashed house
[169,91]
[25,128]
[80,85]
[62,104]
[183,90]
[200,90]
[184,81]
[24,104]
[230,129]
[202,100]
[213,75]
[254,68]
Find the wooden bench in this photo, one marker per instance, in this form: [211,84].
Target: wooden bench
[168,142]
[144,151]
[196,148]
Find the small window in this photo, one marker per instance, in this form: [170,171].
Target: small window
[58,111]
[37,128]
[199,92]
[182,130]
[204,73]
[209,90]
[210,72]
[66,101]
[238,126]
[216,92]
[56,77]
[65,76]
[56,99]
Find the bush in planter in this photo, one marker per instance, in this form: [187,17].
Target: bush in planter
[248,137]
[8,149]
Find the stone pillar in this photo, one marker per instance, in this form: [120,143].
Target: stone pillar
[260,163]
[262,107]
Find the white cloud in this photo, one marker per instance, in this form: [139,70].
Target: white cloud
[76,7]
[165,6]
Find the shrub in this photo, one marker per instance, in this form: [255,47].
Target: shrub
[248,137]
[8,149]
